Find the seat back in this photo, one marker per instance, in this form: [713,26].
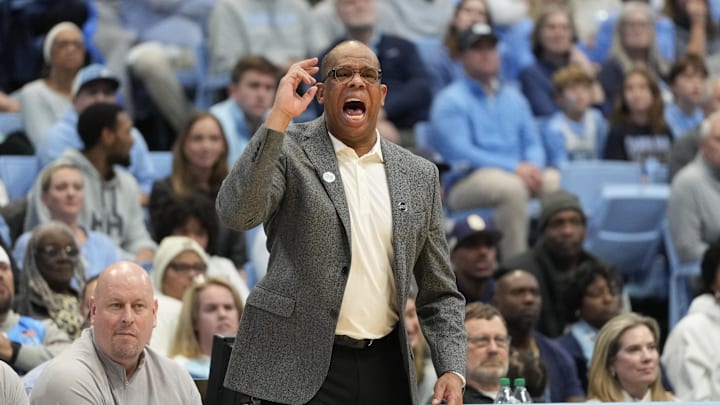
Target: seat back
[680,293]
[586,179]
[18,173]
[626,230]
[162,162]
[10,122]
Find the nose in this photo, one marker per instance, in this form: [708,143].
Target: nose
[356,80]
[127,316]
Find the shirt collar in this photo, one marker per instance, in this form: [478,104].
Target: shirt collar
[341,147]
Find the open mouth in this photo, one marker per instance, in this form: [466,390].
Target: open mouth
[354,109]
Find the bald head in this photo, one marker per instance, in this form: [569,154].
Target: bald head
[124,275]
[343,49]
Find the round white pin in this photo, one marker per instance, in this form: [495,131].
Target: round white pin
[328,177]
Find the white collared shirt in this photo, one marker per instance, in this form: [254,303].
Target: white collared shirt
[368,309]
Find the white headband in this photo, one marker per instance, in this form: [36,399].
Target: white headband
[50,37]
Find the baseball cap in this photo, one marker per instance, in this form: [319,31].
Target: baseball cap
[93,73]
[472,225]
[469,37]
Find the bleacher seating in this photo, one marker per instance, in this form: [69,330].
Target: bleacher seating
[18,173]
[162,162]
[680,291]
[586,179]
[626,231]
[10,122]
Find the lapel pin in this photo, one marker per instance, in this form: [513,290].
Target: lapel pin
[329,177]
[402,206]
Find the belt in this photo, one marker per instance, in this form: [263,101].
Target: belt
[347,341]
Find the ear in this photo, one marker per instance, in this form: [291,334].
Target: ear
[155,308]
[320,95]
[93,309]
[383,93]
[107,136]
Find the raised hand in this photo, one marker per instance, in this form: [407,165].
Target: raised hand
[288,103]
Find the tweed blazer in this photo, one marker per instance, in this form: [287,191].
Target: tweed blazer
[286,336]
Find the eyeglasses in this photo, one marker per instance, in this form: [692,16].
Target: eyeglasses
[53,251]
[186,268]
[483,341]
[343,74]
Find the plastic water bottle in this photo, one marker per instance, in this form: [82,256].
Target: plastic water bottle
[505,394]
[521,394]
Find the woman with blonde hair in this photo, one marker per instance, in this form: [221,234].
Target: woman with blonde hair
[625,364]
[210,307]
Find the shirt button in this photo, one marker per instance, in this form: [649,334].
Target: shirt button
[344,270]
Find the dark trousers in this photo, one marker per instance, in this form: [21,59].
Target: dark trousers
[371,376]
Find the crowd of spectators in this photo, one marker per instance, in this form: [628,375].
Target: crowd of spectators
[502,93]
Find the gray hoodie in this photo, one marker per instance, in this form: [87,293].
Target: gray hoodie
[112,206]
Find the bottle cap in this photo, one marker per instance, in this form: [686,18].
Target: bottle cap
[504,381]
[520,382]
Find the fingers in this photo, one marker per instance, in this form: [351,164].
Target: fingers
[309,94]
[447,389]
[303,71]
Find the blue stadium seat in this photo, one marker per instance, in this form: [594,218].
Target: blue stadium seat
[626,231]
[10,122]
[679,293]
[18,173]
[162,162]
[586,179]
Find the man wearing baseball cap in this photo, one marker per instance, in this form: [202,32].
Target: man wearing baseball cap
[94,84]
[473,246]
[554,258]
[487,124]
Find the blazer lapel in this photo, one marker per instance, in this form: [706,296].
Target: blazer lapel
[321,154]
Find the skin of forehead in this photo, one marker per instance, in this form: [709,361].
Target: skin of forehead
[353,50]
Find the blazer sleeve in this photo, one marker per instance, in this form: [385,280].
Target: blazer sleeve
[254,187]
[440,307]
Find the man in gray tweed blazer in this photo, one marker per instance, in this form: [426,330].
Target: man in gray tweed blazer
[350,219]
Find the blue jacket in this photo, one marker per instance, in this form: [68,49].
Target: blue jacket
[63,135]
[562,374]
[467,127]
[536,84]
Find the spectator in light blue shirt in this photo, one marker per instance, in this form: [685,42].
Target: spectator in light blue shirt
[686,79]
[251,93]
[487,126]
[577,132]
[95,84]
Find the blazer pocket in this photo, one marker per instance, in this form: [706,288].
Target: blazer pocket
[271,301]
